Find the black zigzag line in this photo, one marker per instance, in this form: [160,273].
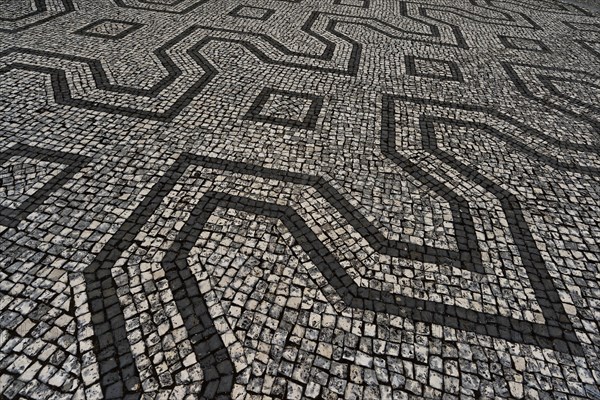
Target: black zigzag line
[579,26]
[62,93]
[485,19]
[211,353]
[540,279]
[513,141]
[468,256]
[542,284]
[41,7]
[88,29]
[505,12]
[458,36]
[434,31]
[107,315]
[102,294]
[546,81]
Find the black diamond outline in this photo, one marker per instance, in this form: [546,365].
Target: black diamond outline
[411,68]
[309,121]
[236,12]
[133,26]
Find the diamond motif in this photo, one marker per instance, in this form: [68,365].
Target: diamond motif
[109,29]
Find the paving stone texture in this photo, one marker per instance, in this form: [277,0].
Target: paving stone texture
[358,199]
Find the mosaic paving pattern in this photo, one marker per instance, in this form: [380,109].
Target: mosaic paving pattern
[353,199]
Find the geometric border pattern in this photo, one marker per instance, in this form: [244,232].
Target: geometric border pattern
[62,92]
[117,367]
[558,331]
[118,372]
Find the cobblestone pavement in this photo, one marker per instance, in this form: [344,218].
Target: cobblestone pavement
[376,199]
